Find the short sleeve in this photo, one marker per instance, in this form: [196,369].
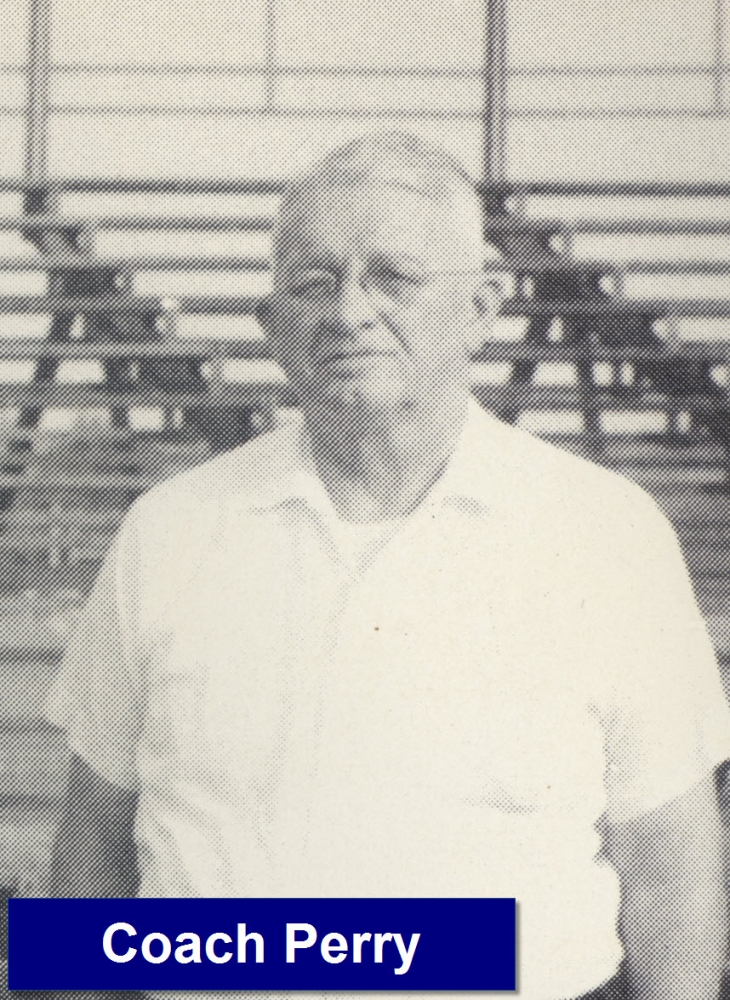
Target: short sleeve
[94,696]
[666,719]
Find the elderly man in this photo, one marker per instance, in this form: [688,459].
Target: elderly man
[400,648]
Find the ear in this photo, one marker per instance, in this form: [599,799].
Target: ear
[487,301]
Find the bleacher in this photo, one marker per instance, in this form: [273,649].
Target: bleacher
[129,350]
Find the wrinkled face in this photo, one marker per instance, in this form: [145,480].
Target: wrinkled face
[375,296]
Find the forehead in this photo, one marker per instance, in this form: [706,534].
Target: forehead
[334,220]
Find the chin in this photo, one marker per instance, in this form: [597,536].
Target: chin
[373,395]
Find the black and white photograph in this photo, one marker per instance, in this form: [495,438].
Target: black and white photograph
[365,476]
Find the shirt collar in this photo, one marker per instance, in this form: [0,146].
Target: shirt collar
[290,475]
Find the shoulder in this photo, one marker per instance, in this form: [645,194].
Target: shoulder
[573,498]
[182,514]
[242,475]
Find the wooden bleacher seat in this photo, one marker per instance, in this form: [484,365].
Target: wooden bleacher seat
[129,350]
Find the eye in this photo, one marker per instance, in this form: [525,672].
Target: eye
[311,285]
[393,279]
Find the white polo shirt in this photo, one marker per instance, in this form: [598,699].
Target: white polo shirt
[449,716]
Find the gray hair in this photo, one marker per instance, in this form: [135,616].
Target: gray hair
[395,158]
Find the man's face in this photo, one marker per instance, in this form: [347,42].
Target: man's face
[374,299]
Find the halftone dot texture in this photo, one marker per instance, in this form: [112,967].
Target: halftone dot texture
[130,351]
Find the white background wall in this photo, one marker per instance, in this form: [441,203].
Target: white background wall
[626,90]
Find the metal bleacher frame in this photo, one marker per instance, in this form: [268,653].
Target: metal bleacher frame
[52,536]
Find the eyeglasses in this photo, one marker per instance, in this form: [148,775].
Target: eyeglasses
[385,282]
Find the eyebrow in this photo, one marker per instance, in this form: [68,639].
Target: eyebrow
[323,260]
[402,257]
[304,257]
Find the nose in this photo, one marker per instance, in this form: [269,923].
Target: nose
[353,308]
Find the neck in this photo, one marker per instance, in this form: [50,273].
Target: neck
[379,463]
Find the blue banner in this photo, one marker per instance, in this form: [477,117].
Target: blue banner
[261,944]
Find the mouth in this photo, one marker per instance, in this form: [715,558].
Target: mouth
[349,359]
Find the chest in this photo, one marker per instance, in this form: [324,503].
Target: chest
[449,666]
